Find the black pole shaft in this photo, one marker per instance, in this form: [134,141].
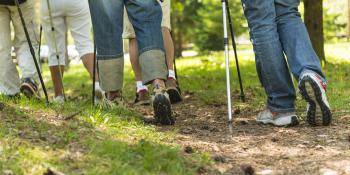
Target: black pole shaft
[94,77]
[39,50]
[32,51]
[234,45]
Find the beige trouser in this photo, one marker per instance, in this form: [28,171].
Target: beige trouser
[128,30]
[9,77]
[71,14]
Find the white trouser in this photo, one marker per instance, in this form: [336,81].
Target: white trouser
[71,14]
[9,78]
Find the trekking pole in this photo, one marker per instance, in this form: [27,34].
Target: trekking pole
[56,47]
[228,83]
[234,45]
[32,51]
[94,77]
[39,50]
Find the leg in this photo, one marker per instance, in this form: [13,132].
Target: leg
[79,22]
[303,61]
[107,19]
[271,65]
[9,80]
[30,78]
[53,39]
[146,15]
[295,39]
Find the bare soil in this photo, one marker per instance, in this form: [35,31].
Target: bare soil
[253,148]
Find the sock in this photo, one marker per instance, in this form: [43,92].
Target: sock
[172,74]
[97,86]
[140,86]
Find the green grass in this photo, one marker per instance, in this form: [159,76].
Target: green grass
[35,137]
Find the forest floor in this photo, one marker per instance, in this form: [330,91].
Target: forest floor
[78,139]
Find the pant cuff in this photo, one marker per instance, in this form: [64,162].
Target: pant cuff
[111,74]
[153,65]
[273,109]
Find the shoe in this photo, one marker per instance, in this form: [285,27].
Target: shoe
[29,88]
[142,98]
[313,90]
[99,95]
[58,100]
[116,101]
[161,106]
[173,90]
[277,119]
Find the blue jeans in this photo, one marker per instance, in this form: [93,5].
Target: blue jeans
[276,29]
[107,20]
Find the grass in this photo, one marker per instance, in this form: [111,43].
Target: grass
[35,137]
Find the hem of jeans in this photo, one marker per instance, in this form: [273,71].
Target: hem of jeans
[146,49]
[273,109]
[110,57]
[311,71]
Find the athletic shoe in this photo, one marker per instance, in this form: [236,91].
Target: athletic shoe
[313,90]
[29,88]
[161,106]
[58,100]
[142,98]
[277,119]
[173,90]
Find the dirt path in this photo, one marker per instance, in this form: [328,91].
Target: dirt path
[254,148]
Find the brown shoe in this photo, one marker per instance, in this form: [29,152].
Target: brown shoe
[142,98]
[173,90]
[161,106]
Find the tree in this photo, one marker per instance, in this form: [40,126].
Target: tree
[313,17]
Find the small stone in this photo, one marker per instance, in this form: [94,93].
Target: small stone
[189,150]
[274,139]
[248,169]
[219,159]
[2,106]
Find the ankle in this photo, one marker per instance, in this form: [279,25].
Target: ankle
[113,95]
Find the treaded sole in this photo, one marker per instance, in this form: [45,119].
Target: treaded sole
[174,95]
[162,110]
[27,91]
[311,113]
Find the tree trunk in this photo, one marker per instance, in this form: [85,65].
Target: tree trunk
[314,22]
[348,20]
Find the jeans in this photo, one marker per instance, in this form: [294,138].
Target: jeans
[276,30]
[107,20]
[9,77]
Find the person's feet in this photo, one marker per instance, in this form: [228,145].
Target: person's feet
[113,99]
[142,97]
[58,100]
[277,119]
[313,90]
[29,88]
[173,90]
[161,104]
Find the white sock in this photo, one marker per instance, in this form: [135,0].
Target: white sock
[140,86]
[97,86]
[172,74]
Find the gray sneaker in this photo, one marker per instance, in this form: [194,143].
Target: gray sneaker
[277,119]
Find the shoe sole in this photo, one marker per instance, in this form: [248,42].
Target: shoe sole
[294,122]
[313,95]
[174,95]
[162,110]
[143,103]
[28,91]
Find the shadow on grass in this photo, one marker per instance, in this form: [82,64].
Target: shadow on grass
[33,141]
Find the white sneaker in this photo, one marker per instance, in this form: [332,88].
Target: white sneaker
[58,100]
[99,93]
[313,90]
[277,119]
